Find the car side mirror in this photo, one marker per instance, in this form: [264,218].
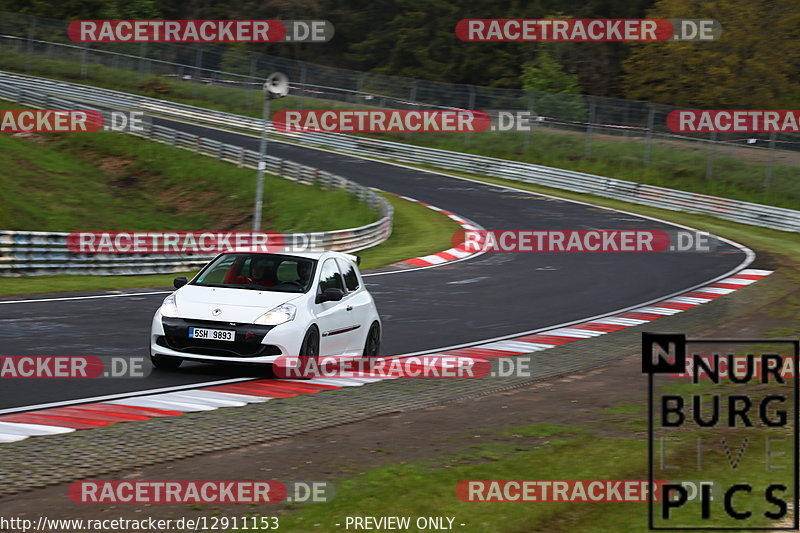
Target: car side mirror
[331,294]
[180,281]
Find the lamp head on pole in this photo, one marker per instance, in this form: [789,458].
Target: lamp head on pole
[277,85]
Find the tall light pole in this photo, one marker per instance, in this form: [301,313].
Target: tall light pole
[276,86]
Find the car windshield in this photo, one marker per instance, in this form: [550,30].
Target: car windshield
[263,272]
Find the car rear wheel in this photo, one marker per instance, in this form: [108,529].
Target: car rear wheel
[309,353]
[165,362]
[372,346]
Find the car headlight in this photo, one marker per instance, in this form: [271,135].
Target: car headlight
[279,315]
[169,308]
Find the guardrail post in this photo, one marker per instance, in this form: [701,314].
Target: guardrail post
[241,158]
[174,139]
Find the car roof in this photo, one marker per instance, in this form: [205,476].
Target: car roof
[306,255]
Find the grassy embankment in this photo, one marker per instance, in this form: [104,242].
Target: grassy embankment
[106,182]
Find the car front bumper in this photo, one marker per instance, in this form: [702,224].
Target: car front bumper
[252,343]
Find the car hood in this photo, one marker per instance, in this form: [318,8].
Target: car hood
[228,305]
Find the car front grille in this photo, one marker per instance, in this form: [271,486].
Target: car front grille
[246,343]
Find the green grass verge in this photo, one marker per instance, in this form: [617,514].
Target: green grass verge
[677,164]
[417,231]
[107,181]
[535,452]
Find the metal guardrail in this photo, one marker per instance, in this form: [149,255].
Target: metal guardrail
[738,211]
[37,253]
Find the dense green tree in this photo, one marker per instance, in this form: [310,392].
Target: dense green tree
[755,63]
[84,9]
[549,76]
[418,40]
[555,92]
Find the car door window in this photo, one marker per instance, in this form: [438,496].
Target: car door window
[350,276]
[330,277]
[217,272]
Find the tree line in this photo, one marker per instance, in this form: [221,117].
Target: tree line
[753,65]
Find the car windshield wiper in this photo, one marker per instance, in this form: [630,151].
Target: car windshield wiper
[257,287]
[250,287]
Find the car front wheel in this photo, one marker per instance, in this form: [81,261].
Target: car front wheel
[372,346]
[309,353]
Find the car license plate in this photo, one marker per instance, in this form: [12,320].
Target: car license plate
[212,334]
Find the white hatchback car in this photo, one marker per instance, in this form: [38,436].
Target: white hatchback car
[247,307]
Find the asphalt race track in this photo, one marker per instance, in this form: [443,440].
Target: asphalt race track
[492,295]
